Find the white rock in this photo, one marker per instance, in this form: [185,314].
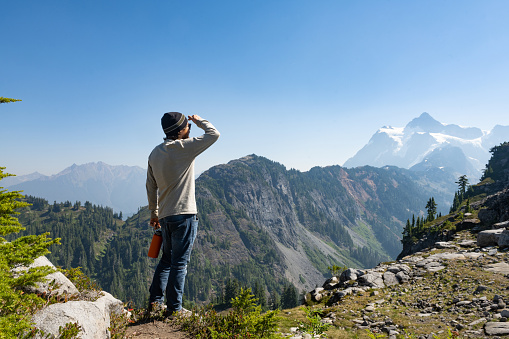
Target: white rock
[55,283]
[496,328]
[93,317]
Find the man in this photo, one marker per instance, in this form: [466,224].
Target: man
[171,201]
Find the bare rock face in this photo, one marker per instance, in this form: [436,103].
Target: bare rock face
[489,237]
[495,208]
[93,317]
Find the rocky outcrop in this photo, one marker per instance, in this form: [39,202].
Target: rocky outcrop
[91,315]
[495,208]
[487,315]
[55,283]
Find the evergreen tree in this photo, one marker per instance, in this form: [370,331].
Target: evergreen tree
[462,184]
[274,301]
[16,306]
[231,290]
[289,298]
[7,100]
[431,207]
[259,293]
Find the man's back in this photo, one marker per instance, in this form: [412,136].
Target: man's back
[171,171]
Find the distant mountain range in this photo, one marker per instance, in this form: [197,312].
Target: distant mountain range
[119,187]
[424,143]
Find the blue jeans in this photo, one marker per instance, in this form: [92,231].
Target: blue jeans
[179,232]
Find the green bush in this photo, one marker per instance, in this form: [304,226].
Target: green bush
[314,323]
[245,320]
[16,306]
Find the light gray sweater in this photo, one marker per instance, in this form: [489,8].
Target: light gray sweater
[170,173]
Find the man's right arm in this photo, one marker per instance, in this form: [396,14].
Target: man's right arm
[151,186]
[201,143]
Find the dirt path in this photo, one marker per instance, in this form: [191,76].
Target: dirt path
[155,329]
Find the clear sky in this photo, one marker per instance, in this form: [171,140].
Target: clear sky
[303,83]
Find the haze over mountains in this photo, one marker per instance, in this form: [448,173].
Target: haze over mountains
[424,143]
[119,187]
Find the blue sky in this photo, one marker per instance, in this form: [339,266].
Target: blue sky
[303,83]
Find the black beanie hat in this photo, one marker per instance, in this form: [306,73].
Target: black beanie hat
[173,122]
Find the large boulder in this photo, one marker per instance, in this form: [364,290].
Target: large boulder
[92,317]
[489,237]
[503,239]
[54,284]
[372,279]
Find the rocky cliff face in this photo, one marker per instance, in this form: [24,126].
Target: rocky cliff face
[293,225]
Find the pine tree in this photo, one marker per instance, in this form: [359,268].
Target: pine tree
[431,207]
[289,297]
[7,100]
[462,185]
[16,307]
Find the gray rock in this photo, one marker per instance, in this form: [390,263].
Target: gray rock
[447,256]
[434,266]
[480,289]
[488,216]
[331,283]
[500,267]
[93,317]
[467,243]
[369,308]
[469,223]
[489,237]
[496,328]
[503,239]
[402,277]
[493,251]
[372,279]
[503,224]
[350,274]
[390,279]
[478,321]
[444,244]
[398,268]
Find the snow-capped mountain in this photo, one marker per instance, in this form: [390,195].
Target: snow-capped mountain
[426,143]
[119,187]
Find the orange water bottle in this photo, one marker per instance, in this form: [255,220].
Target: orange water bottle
[155,245]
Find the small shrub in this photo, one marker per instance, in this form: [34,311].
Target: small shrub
[80,280]
[337,270]
[314,323]
[245,320]
[69,331]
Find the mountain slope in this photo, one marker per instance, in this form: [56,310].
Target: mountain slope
[259,224]
[296,224]
[425,142]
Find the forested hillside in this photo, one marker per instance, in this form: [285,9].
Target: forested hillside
[261,226]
